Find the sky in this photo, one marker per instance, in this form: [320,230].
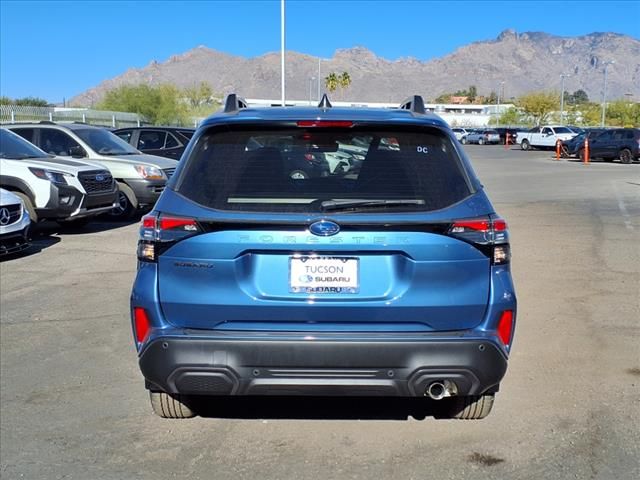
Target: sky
[57,49]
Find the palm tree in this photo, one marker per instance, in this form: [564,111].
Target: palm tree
[331,82]
[344,80]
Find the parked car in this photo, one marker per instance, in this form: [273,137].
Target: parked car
[545,136]
[571,147]
[482,137]
[300,161]
[511,131]
[392,282]
[14,223]
[140,177]
[617,143]
[460,132]
[54,188]
[167,142]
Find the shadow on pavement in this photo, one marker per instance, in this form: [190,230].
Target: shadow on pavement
[317,408]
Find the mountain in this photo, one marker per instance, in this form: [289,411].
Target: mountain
[523,61]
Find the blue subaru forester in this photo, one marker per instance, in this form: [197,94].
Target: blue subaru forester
[383,273]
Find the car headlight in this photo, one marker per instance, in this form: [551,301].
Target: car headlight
[51,175]
[150,173]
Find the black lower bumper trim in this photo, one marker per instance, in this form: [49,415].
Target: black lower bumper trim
[299,367]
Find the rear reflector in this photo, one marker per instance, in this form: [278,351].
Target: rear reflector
[325,123]
[505,327]
[142,323]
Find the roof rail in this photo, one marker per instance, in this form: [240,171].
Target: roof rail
[234,103]
[414,103]
[325,103]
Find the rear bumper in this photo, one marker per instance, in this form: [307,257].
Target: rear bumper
[290,366]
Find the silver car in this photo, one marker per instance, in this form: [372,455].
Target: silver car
[482,137]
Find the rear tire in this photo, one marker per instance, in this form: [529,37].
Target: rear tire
[481,142]
[525,145]
[169,406]
[463,140]
[626,156]
[27,205]
[471,407]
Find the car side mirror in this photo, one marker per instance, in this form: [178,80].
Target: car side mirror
[77,152]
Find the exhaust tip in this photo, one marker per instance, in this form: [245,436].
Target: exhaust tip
[441,389]
[436,391]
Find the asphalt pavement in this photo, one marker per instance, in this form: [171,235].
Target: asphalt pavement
[73,404]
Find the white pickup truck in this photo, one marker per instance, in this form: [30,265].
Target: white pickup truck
[545,136]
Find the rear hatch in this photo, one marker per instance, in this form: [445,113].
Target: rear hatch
[241,245]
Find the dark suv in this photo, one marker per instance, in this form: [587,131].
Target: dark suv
[617,143]
[390,280]
[167,142]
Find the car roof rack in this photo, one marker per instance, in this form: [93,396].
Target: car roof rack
[325,103]
[414,103]
[47,122]
[234,103]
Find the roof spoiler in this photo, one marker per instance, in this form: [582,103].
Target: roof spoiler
[234,103]
[414,103]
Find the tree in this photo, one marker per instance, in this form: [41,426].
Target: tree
[25,101]
[511,117]
[160,105]
[444,98]
[492,98]
[623,114]
[344,80]
[472,93]
[199,95]
[538,105]
[331,82]
[579,96]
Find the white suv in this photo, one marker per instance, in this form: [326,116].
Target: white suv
[54,188]
[141,178]
[14,223]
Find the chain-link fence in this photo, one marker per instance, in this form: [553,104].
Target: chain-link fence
[18,113]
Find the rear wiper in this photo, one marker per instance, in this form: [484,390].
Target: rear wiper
[333,205]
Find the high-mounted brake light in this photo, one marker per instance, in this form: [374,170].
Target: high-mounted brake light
[325,123]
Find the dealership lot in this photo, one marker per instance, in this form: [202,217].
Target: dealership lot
[73,403]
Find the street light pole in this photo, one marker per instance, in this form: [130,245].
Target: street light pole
[282,47]
[562,77]
[604,91]
[311,79]
[319,79]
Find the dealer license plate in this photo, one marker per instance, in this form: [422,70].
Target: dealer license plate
[317,274]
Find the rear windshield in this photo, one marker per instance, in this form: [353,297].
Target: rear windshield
[318,169]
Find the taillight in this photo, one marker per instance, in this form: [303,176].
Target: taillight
[490,235]
[505,327]
[141,323]
[325,123]
[158,232]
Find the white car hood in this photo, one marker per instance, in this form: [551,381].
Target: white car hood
[143,158]
[8,198]
[60,164]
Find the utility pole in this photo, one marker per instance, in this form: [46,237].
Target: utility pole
[282,47]
[604,91]
[562,77]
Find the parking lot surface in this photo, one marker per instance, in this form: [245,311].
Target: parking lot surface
[74,404]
